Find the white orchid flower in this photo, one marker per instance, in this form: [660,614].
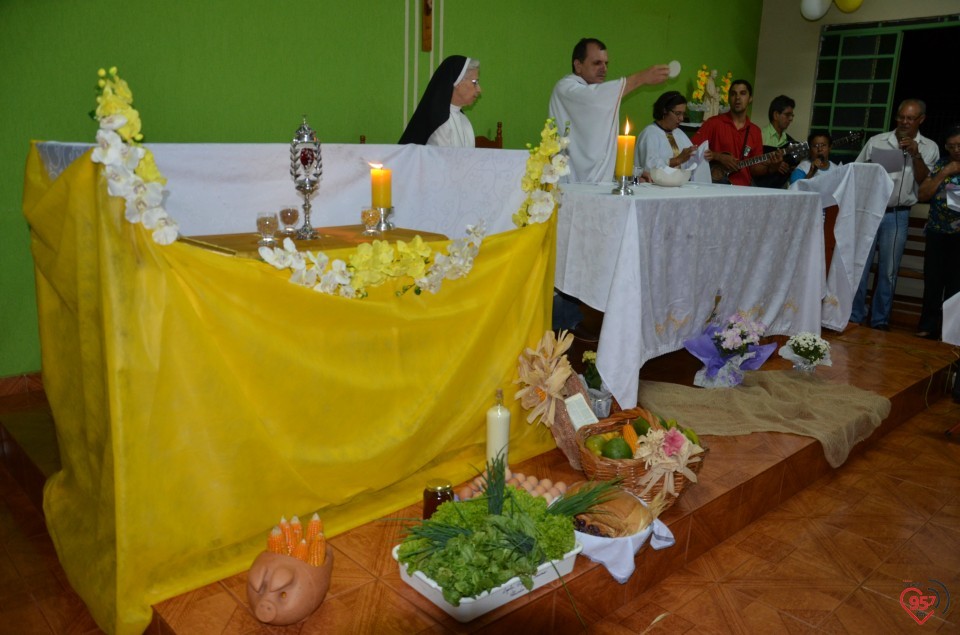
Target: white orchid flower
[108,148]
[561,163]
[304,277]
[549,175]
[130,156]
[167,231]
[541,206]
[113,122]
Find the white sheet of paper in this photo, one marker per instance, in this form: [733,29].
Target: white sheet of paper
[953,197]
[893,161]
[579,411]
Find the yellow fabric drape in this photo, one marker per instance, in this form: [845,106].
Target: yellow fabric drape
[199,397]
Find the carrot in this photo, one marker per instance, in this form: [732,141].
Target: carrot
[630,436]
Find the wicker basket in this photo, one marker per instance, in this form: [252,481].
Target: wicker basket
[599,468]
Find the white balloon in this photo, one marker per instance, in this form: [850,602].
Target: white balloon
[814,9]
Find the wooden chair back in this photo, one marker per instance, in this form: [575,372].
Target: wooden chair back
[496,142]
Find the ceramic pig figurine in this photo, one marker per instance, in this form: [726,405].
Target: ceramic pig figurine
[283,590]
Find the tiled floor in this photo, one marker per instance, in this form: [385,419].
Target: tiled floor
[832,557]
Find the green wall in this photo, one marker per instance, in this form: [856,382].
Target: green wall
[245,70]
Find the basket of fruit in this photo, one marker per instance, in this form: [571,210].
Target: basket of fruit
[651,454]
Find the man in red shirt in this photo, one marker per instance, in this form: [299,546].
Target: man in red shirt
[733,137]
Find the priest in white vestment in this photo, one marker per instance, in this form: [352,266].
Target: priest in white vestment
[591,106]
[439,119]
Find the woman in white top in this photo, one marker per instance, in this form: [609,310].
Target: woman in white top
[438,119]
[662,143]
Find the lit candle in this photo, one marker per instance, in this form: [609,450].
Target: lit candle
[380,185]
[625,145]
[498,429]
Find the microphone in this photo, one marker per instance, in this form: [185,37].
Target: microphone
[901,137]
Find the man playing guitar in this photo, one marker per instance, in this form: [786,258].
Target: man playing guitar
[733,138]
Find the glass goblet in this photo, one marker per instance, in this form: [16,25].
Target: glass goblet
[267,225]
[289,217]
[371,222]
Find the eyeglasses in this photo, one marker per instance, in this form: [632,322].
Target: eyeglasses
[679,114]
[820,145]
[907,119]
[475,82]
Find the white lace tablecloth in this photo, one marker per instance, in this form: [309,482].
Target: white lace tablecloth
[654,261]
[218,188]
[861,190]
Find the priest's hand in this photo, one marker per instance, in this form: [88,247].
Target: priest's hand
[654,75]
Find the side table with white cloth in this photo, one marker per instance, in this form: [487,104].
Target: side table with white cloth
[654,262]
[861,191]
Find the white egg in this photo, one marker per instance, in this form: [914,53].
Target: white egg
[538,490]
[528,486]
[553,492]
[560,485]
[547,483]
[519,476]
[466,493]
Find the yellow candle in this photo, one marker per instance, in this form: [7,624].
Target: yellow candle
[625,146]
[380,185]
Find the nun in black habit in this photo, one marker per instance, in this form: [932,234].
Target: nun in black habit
[438,119]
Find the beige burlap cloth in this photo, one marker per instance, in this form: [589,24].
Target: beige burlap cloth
[838,415]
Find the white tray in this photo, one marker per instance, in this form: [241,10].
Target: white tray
[474,607]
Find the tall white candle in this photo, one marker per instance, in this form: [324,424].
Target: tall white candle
[498,429]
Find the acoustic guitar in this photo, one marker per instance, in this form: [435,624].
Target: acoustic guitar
[792,153]
[719,174]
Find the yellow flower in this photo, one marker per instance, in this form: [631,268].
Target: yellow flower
[131,129]
[415,247]
[102,73]
[109,104]
[148,171]
[122,90]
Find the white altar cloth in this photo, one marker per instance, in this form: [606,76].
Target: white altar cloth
[654,261]
[220,187]
[861,190]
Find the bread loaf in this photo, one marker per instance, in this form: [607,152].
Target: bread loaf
[621,515]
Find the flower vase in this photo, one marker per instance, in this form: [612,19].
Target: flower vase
[600,402]
[805,367]
[727,376]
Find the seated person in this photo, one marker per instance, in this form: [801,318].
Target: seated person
[438,119]
[819,160]
[662,143]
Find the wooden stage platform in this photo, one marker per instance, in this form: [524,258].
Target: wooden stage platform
[743,479]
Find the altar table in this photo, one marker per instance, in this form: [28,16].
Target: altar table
[655,261]
[198,397]
[861,190]
[247,245]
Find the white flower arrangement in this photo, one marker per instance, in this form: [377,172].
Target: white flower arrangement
[807,348]
[130,168]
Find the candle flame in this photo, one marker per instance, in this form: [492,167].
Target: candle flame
[626,127]
[375,166]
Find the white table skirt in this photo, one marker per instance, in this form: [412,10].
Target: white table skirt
[654,261]
[219,188]
[861,190]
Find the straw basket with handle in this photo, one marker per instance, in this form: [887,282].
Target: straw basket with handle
[632,471]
